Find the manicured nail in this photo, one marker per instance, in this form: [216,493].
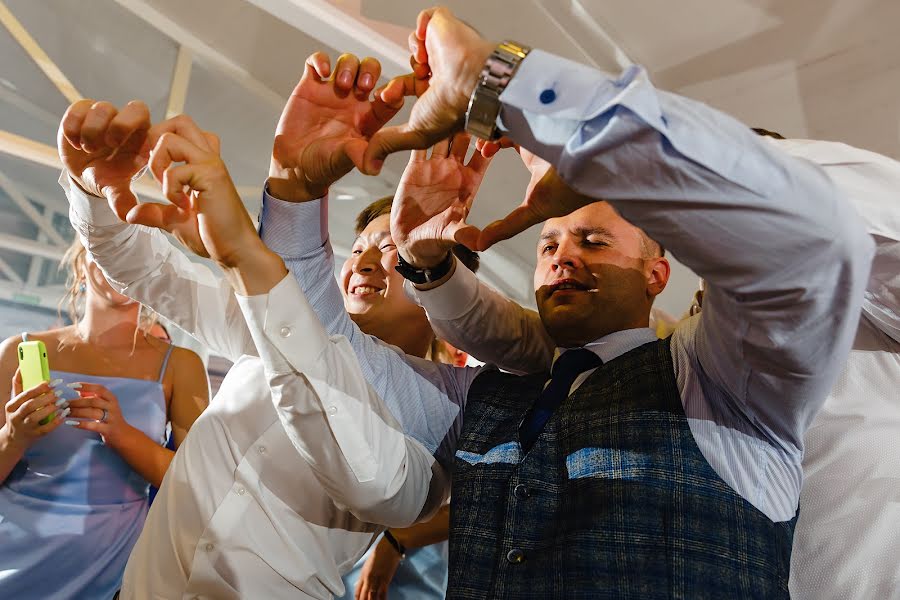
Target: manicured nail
[58,393]
[345,78]
[65,413]
[366,80]
[72,422]
[74,386]
[62,402]
[55,383]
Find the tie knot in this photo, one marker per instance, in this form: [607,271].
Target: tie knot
[571,363]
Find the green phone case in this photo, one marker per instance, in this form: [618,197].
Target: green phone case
[34,367]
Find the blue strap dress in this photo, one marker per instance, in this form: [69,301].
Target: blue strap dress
[72,509]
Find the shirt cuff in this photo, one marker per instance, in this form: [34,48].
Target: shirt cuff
[450,300]
[92,210]
[293,229]
[550,98]
[287,333]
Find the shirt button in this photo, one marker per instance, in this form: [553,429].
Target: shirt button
[332,410]
[285,332]
[241,491]
[548,96]
[210,547]
[261,449]
[521,492]
[515,556]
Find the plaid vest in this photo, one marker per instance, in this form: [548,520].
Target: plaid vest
[615,499]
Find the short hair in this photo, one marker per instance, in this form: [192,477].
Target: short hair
[382,206]
[650,248]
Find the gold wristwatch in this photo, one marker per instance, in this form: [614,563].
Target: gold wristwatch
[484,105]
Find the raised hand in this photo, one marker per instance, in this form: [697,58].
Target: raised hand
[103,148]
[546,196]
[428,216]
[454,54]
[327,123]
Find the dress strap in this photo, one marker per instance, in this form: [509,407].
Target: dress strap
[162,371]
[24,336]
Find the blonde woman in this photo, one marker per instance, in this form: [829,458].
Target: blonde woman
[73,492]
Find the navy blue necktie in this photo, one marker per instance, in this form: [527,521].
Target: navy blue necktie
[565,371]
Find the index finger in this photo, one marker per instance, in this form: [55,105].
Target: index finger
[172,147]
[133,118]
[72,121]
[85,390]
[181,125]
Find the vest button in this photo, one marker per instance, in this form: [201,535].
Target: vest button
[521,491]
[515,556]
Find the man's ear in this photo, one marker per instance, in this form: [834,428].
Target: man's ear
[658,271]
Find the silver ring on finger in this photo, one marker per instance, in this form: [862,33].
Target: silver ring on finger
[105,417]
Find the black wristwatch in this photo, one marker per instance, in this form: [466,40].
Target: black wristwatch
[421,276]
[401,550]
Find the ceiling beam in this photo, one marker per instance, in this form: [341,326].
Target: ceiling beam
[10,273]
[37,54]
[30,247]
[30,211]
[46,155]
[181,75]
[325,22]
[186,38]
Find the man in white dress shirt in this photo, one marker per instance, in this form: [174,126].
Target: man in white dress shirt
[850,468]
[245,510]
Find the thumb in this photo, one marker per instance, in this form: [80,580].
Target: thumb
[465,234]
[121,200]
[17,382]
[159,216]
[512,224]
[390,140]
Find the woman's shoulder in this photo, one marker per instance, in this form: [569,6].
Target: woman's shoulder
[49,336]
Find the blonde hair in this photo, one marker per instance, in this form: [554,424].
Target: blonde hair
[74,261]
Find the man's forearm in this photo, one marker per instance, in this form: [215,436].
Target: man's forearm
[143,264]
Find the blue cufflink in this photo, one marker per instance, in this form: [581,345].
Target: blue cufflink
[547,96]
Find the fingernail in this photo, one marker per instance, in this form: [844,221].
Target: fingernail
[345,78]
[55,382]
[72,422]
[62,402]
[58,393]
[366,80]
[65,413]
[74,386]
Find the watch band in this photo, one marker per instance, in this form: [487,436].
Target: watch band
[421,276]
[484,105]
[400,548]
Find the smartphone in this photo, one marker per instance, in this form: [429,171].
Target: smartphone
[34,368]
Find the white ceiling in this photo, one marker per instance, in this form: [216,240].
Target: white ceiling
[826,69]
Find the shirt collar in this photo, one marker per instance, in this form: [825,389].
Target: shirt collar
[617,343]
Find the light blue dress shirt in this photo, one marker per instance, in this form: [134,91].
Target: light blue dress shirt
[785,258]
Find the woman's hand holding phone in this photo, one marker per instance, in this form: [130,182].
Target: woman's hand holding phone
[27,408]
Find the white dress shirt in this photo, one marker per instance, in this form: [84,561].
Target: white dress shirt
[254,504]
[785,258]
[847,540]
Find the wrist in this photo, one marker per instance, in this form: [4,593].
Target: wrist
[256,272]
[472,67]
[291,185]
[121,437]
[394,544]
[423,258]
[9,445]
